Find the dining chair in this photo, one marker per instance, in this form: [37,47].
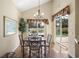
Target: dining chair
[34,47]
[24,46]
[21,43]
[46,44]
[49,37]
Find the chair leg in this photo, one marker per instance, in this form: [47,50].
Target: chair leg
[45,49]
[22,51]
[41,51]
[29,53]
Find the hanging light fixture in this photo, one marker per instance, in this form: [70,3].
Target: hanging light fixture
[38,14]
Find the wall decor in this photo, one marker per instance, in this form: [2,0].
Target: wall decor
[10,26]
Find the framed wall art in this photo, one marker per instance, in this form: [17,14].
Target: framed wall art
[10,26]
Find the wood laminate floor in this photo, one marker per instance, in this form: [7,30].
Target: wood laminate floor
[52,54]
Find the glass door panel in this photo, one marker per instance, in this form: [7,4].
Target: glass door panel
[64,27]
[62,32]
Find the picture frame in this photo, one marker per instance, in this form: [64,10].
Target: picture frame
[10,26]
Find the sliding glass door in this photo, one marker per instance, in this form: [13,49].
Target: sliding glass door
[62,32]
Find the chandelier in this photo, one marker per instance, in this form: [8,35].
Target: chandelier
[38,14]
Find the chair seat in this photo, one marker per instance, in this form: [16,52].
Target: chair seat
[47,44]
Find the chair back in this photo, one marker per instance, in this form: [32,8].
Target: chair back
[49,37]
[34,42]
[21,41]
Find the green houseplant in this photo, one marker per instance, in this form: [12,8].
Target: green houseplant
[22,30]
[22,26]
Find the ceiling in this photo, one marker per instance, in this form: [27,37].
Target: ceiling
[23,5]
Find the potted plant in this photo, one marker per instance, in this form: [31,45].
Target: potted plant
[22,30]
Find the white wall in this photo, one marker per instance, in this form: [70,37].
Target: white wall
[9,43]
[72,29]
[58,5]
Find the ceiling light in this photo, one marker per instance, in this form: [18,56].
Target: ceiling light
[38,14]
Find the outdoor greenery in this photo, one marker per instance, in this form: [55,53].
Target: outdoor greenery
[64,23]
[64,27]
